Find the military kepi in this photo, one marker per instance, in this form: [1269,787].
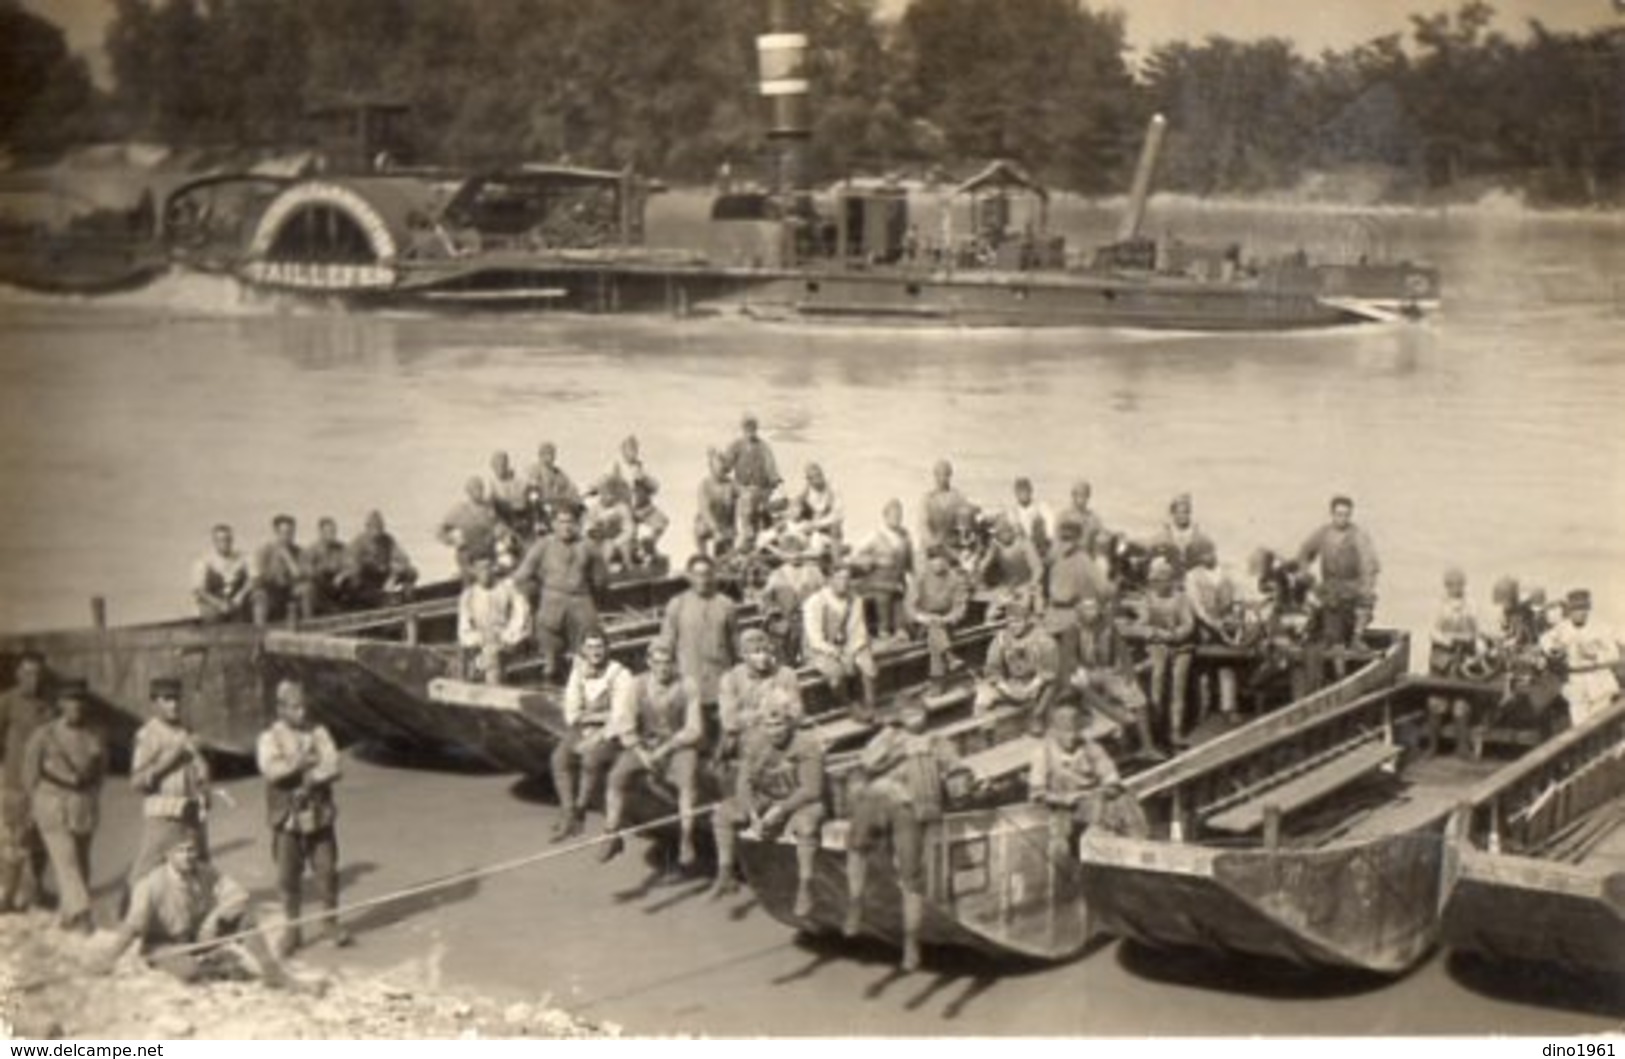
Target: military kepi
[164,688]
[1579,599]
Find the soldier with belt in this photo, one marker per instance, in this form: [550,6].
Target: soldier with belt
[64,766]
[168,768]
[1348,575]
[566,574]
[300,764]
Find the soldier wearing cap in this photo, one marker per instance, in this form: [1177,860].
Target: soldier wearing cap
[836,639]
[743,692]
[903,778]
[282,584]
[300,763]
[22,710]
[1219,604]
[599,689]
[779,788]
[63,768]
[1074,577]
[788,588]
[1348,574]
[750,460]
[649,522]
[937,602]
[659,727]
[1181,540]
[1166,625]
[221,583]
[941,510]
[565,575]
[1589,652]
[167,767]
[1021,666]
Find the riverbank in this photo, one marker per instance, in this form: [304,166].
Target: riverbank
[622,945]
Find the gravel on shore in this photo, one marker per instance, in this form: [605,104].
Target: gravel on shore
[48,991]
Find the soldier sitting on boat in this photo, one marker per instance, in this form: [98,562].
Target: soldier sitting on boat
[1587,653]
[1165,626]
[1021,670]
[325,564]
[221,583]
[1220,605]
[493,622]
[599,687]
[937,601]
[815,514]
[902,781]
[471,527]
[508,495]
[1073,773]
[649,522]
[794,581]
[779,788]
[1180,538]
[886,561]
[742,696]
[610,524]
[282,584]
[1454,640]
[377,570]
[717,513]
[1010,564]
[565,575]
[749,459]
[660,728]
[836,639]
[1105,675]
[548,489]
[1347,587]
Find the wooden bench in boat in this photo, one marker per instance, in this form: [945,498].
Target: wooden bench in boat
[1295,791]
[843,729]
[1002,761]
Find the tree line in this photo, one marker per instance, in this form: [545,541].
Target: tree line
[1449,102]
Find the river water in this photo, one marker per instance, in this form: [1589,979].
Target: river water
[1489,437]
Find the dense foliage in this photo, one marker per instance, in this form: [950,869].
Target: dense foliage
[668,86]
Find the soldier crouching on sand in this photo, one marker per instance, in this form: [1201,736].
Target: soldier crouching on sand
[182,903]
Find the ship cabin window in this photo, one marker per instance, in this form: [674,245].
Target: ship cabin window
[322,233]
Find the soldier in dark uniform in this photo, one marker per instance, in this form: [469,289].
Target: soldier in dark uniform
[300,764]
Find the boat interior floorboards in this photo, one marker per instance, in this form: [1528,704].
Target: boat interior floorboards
[1431,787]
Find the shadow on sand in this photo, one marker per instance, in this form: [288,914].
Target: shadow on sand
[1249,975]
[1540,984]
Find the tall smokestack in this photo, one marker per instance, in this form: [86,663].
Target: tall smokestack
[782,57]
[1135,216]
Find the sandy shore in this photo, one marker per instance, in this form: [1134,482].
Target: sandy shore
[573,947]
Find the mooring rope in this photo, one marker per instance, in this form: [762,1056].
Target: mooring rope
[415,890]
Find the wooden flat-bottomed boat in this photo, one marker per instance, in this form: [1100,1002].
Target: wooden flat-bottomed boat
[371,681]
[1317,838]
[1541,848]
[227,690]
[997,882]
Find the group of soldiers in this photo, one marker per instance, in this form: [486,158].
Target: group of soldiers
[178,909]
[289,580]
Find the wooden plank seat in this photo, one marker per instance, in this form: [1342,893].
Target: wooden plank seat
[1303,789]
[1002,761]
[841,729]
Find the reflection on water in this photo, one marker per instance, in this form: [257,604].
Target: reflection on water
[1487,438]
